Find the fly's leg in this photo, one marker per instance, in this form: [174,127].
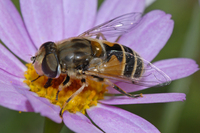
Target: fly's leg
[97,35]
[66,82]
[100,35]
[35,78]
[106,81]
[48,83]
[117,38]
[120,90]
[73,95]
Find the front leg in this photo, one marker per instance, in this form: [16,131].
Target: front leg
[35,78]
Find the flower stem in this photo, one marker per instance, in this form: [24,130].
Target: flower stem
[52,127]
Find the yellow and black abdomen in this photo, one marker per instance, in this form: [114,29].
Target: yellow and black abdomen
[122,61]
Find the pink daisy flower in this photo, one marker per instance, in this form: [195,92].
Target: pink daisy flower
[54,21]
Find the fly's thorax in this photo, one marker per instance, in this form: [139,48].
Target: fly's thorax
[98,48]
[75,53]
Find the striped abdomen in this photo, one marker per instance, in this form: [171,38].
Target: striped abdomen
[122,60]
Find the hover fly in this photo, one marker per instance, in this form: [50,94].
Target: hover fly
[91,55]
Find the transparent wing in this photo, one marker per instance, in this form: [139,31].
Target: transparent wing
[116,26]
[150,74]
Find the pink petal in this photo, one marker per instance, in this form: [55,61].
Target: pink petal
[43,19]
[8,88]
[150,36]
[113,8]
[44,107]
[113,119]
[175,68]
[147,98]
[79,16]
[11,99]
[7,78]
[79,123]
[178,67]
[13,32]
[10,64]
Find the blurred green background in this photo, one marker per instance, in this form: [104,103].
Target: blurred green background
[179,117]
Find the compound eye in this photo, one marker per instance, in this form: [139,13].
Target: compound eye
[50,66]
[47,44]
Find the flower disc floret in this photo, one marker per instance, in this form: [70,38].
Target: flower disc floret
[88,97]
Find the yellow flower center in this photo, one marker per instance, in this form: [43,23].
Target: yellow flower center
[88,97]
